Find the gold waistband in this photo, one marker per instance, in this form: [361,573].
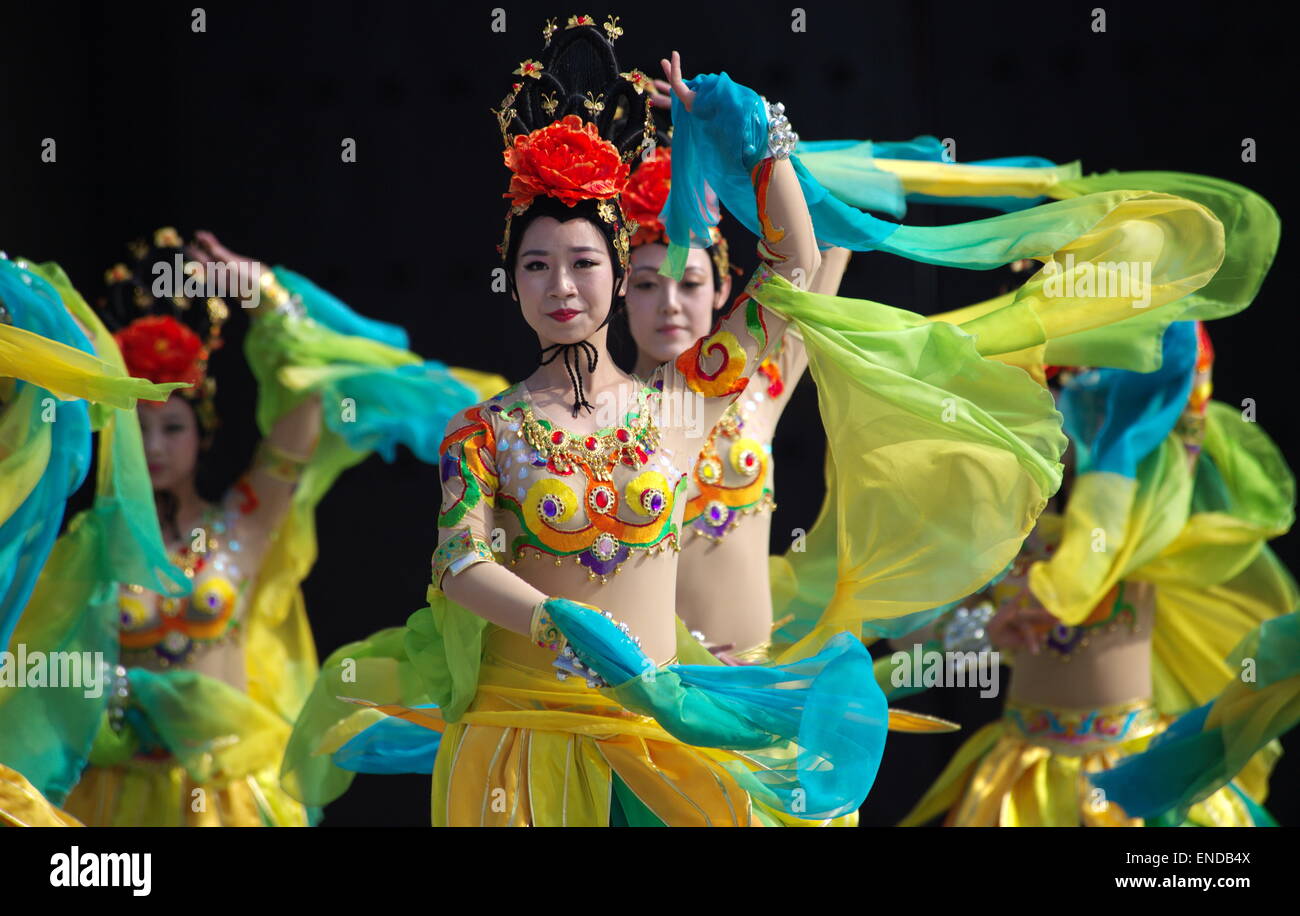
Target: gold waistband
[760,654]
[1080,731]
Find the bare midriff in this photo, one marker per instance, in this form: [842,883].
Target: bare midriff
[641,594]
[1114,667]
[723,589]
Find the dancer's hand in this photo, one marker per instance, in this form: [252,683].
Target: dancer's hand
[674,73]
[599,648]
[661,95]
[207,247]
[1021,627]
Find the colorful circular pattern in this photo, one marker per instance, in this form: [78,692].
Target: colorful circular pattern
[746,457]
[709,470]
[604,547]
[133,611]
[213,598]
[602,499]
[551,501]
[647,493]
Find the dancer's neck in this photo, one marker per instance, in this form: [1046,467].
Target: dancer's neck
[190,508]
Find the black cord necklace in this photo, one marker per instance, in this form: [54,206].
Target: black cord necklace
[573,366]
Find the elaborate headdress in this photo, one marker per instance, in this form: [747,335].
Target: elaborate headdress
[167,337]
[571,126]
[643,201]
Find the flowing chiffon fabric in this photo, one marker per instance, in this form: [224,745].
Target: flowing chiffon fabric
[211,736]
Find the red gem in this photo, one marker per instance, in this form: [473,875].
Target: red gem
[622,435]
[557,437]
[602,499]
[591,443]
[642,455]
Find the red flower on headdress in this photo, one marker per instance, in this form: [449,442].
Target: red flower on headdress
[1204,349]
[645,195]
[162,349]
[567,160]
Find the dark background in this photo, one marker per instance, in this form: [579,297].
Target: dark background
[238,130]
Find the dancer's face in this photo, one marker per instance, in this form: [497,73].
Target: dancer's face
[171,442]
[565,279]
[667,316]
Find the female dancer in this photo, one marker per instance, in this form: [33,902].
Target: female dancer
[719,593]
[46,335]
[1132,587]
[518,750]
[228,656]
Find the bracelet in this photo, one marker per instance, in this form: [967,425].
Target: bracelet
[275,462]
[567,662]
[781,140]
[280,298]
[966,630]
[543,631]
[271,289]
[119,698]
[458,553]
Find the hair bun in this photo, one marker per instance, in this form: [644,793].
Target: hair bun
[578,74]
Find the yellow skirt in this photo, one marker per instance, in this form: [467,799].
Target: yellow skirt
[147,793]
[1030,769]
[22,806]
[535,751]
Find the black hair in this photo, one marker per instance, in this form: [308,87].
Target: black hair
[580,71]
[130,297]
[578,74]
[557,209]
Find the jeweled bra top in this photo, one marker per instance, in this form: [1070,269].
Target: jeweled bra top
[1113,611]
[593,498]
[732,476]
[515,483]
[169,631]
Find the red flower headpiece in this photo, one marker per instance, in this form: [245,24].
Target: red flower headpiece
[567,160]
[646,194]
[162,349]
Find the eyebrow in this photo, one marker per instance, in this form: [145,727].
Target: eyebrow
[689,267]
[545,253]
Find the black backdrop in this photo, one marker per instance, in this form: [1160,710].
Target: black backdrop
[238,129]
